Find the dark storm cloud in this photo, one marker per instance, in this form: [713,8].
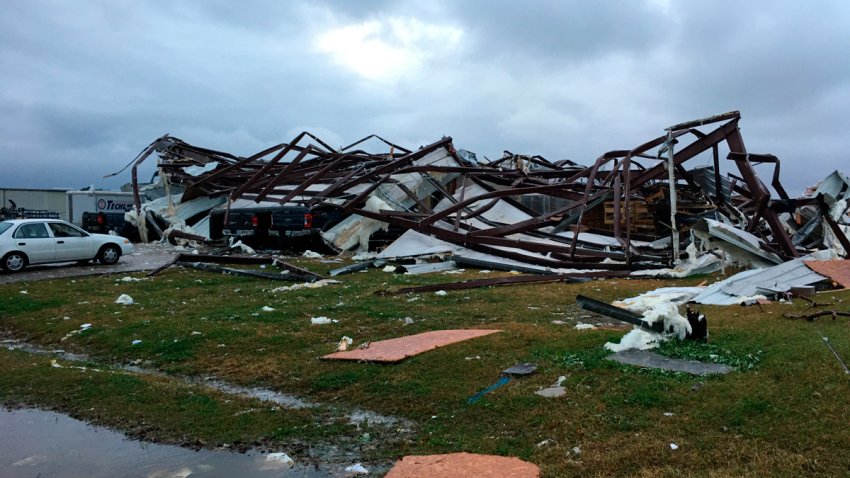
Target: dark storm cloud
[87,85]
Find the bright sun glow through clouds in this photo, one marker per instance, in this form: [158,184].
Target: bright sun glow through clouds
[388,49]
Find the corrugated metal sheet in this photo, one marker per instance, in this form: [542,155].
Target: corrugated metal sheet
[769,281]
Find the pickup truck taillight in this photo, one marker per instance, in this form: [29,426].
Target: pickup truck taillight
[308,221]
[255,220]
[101,218]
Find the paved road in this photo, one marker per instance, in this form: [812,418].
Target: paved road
[146,257]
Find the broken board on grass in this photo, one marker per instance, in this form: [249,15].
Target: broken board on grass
[396,350]
[647,359]
[463,465]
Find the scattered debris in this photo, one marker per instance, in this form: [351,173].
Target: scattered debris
[581,326]
[344,343]
[674,446]
[441,293]
[457,465]
[646,359]
[521,369]
[308,254]
[281,458]
[837,357]
[136,342]
[501,382]
[267,309]
[306,285]
[395,350]
[124,299]
[357,469]
[322,321]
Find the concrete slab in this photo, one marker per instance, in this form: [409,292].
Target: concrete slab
[647,359]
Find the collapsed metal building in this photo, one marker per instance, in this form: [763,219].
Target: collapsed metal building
[631,209]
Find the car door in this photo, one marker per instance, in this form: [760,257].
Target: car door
[33,240]
[72,244]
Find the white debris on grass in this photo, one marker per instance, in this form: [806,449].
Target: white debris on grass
[674,446]
[658,305]
[364,256]
[441,293]
[407,321]
[267,309]
[195,332]
[636,339]
[389,269]
[559,322]
[357,468]
[243,247]
[308,254]
[306,285]
[85,327]
[129,279]
[344,343]
[322,320]
[23,292]
[124,299]
[281,458]
[583,326]
[136,342]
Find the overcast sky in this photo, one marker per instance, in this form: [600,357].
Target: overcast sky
[86,85]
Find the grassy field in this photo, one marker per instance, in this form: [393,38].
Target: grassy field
[781,413]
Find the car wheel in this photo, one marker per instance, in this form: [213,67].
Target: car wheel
[14,262]
[109,254]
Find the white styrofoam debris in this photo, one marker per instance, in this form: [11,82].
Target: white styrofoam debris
[441,293]
[306,285]
[267,309]
[407,321]
[23,292]
[389,269]
[344,343]
[85,326]
[136,342]
[322,320]
[243,247]
[674,446]
[280,457]
[364,256]
[129,279]
[308,254]
[357,468]
[583,326]
[124,299]
[195,332]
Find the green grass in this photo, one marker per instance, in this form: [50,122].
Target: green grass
[778,414]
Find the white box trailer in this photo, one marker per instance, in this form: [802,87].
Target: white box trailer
[97,201]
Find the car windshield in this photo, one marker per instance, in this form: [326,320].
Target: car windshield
[4,226]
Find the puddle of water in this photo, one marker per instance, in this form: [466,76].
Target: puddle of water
[355,416]
[38,443]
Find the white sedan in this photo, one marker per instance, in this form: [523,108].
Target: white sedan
[40,241]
